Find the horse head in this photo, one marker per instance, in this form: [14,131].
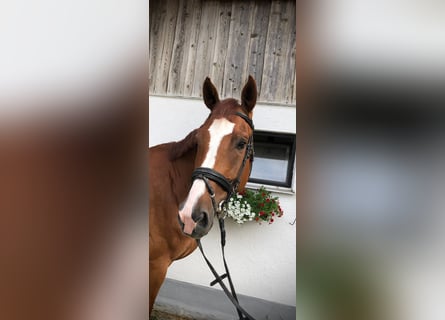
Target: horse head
[223,158]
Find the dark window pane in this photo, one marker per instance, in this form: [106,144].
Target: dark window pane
[274,157]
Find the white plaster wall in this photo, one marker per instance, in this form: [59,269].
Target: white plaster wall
[262,258]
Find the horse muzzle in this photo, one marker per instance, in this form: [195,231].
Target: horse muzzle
[198,224]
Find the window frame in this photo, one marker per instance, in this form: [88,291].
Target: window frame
[284,138]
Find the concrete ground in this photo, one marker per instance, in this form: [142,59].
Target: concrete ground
[164,315]
[193,302]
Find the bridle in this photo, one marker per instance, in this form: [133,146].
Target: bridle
[230,186]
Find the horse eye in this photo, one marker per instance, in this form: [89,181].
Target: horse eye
[241,145]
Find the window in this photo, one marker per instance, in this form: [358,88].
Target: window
[274,159]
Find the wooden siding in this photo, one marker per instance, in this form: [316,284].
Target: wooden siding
[226,40]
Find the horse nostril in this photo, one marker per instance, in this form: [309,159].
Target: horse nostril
[204,219]
[201,218]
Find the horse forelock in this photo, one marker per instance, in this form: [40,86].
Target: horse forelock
[226,107]
[179,148]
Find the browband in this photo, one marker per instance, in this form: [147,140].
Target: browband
[247,119]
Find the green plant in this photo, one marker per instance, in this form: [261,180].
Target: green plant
[258,205]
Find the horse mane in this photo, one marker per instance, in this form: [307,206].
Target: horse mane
[179,148]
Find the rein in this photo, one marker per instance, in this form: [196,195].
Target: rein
[231,187]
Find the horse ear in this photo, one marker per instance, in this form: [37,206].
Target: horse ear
[249,95]
[210,94]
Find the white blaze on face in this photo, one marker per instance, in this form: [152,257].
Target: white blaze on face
[196,191]
[218,130]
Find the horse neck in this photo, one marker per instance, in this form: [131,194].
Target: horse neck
[182,172]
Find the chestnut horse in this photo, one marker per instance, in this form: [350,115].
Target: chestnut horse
[182,208]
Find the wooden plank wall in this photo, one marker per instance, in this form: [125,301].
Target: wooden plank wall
[226,40]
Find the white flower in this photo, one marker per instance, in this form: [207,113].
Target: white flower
[239,210]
